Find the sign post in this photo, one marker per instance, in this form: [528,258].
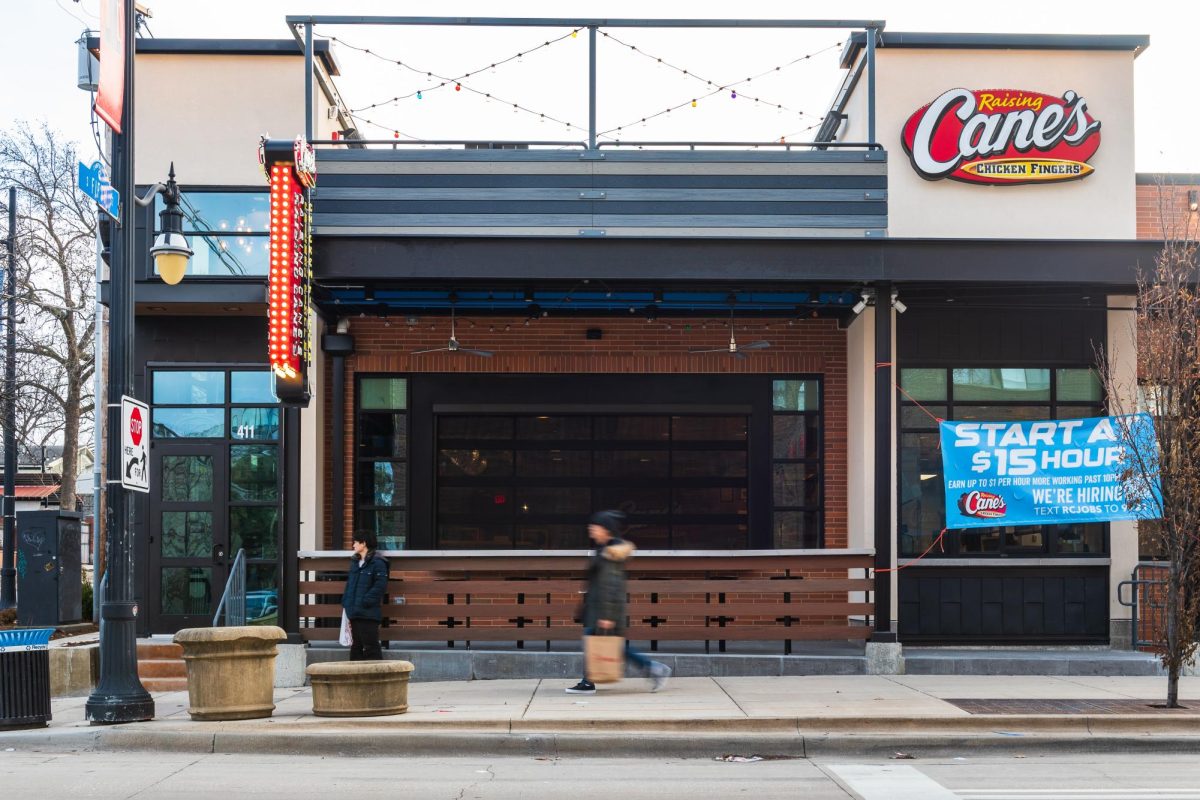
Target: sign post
[135,474]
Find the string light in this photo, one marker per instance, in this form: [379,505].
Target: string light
[444,81]
[693,75]
[731,87]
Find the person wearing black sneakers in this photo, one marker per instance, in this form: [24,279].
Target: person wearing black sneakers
[366,584]
[604,602]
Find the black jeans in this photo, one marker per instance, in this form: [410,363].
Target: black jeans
[365,633]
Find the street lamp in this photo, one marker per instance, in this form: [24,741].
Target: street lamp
[170,251]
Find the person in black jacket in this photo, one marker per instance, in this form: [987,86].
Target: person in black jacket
[366,584]
[604,603]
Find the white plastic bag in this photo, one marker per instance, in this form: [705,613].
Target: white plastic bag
[344,637]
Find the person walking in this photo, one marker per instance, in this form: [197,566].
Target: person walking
[604,602]
[366,583]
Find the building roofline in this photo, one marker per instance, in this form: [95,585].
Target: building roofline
[1168,178]
[230,47]
[995,41]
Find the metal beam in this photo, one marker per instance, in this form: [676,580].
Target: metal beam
[884,455]
[570,22]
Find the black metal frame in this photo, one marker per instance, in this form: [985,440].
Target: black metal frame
[952,543]
[567,393]
[193,232]
[357,460]
[287,482]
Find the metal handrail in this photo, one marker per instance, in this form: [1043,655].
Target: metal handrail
[233,599]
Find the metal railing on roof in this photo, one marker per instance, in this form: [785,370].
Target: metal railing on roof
[308,22]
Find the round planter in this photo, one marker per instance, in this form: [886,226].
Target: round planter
[230,671]
[359,688]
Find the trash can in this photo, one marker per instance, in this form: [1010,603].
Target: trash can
[25,677]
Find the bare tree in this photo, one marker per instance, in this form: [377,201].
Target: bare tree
[55,270]
[1167,387]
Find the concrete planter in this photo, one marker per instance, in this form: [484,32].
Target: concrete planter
[230,671]
[360,688]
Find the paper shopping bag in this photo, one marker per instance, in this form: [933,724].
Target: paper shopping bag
[344,638]
[605,658]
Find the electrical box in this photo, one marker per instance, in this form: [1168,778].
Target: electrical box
[49,584]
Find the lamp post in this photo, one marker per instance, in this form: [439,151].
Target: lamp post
[8,571]
[119,695]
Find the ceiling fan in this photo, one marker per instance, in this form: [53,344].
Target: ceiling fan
[453,345]
[733,348]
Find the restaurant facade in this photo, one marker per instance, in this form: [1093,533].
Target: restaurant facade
[746,349]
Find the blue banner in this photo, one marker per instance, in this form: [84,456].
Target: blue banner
[1049,472]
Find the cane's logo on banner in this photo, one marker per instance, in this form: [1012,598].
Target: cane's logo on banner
[982,504]
[1002,137]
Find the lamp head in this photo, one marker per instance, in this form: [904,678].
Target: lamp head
[170,251]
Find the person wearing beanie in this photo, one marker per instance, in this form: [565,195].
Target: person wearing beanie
[366,584]
[604,602]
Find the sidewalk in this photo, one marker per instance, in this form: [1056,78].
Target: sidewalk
[796,716]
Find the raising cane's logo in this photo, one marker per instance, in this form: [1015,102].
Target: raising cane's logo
[982,504]
[1002,137]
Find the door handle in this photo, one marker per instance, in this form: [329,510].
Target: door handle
[218,553]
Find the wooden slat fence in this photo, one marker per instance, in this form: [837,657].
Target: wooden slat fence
[514,597]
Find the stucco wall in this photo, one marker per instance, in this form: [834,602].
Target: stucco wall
[207,112]
[1100,206]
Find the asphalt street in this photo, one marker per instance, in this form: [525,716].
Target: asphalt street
[29,774]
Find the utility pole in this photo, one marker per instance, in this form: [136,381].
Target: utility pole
[119,695]
[8,572]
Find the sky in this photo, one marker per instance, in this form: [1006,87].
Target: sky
[40,63]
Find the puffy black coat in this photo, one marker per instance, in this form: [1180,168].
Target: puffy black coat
[605,597]
[365,587]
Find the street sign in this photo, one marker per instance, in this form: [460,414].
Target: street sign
[93,181]
[135,445]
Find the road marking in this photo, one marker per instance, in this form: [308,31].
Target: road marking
[890,782]
[1067,794]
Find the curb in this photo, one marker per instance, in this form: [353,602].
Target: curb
[669,742]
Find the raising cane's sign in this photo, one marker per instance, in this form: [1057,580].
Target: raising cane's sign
[1002,137]
[290,167]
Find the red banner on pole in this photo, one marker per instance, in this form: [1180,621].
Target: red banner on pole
[110,99]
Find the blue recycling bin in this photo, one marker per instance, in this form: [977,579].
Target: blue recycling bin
[25,677]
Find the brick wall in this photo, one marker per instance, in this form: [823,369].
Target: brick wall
[557,345]
[1162,208]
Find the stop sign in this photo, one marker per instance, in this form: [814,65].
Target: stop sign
[135,426]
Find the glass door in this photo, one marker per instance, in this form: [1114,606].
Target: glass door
[189,536]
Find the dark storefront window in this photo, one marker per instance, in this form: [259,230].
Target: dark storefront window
[528,481]
[796,462]
[985,393]
[381,460]
[227,230]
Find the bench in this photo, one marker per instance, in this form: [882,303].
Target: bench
[359,688]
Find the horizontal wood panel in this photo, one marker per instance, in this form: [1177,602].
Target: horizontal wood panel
[608,233]
[515,562]
[839,182]
[571,193]
[795,585]
[698,207]
[566,611]
[712,633]
[612,195]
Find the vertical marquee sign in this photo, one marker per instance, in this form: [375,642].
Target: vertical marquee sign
[291,171]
